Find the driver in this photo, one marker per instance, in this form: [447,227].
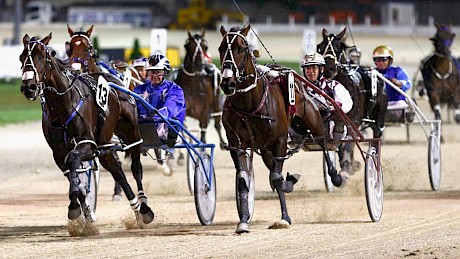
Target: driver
[164,95]
[383,60]
[313,68]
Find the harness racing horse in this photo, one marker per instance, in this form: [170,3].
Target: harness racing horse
[440,73]
[83,59]
[256,119]
[367,92]
[201,90]
[78,125]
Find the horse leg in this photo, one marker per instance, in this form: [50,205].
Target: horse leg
[282,186]
[109,162]
[203,134]
[137,171]
[240,162]
[346,159]
[337,179]
[117,189]
[218,126]
[165,169]
[73,161]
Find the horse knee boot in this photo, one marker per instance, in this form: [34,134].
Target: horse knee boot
[285,186]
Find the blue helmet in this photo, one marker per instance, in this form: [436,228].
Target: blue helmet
[158,62]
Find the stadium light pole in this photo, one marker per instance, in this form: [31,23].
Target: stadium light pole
[17,22]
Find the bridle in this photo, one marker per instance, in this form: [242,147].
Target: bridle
[329,51]
[230,67]
[198,50]
[29,62]
[82,61]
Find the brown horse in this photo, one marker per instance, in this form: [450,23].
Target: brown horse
[440,73]
[83,59]
[79,118]
[369,102]
[201,93]
[256,119]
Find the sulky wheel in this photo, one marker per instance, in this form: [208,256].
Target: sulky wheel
[205,190]
[373,179]
[191,168]
[90,181]
[434,159]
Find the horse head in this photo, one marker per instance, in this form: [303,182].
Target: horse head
[195,47]
[333,50]
[236,61]
[81,50]
[36,65]
[443,39]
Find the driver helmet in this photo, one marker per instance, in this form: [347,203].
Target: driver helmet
[140,62]
[383,52]
[313,59]
[158,62]
[354,55]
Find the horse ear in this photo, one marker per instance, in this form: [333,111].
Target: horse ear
[189,34]
[47,39]
[89,31]
[245,30]
[25,39]
[69,30]
[325,33]
[203,33]
[222,30]
[342,33]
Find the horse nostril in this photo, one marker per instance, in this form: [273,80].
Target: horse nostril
[232,85]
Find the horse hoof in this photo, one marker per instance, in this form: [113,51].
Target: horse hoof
[147,215]
[116,197]
[294,178]
[166,170]
[282,224]
[90,216]
[181,160]
[457,119]
[242,228]
[337,180]
[356,167]
[344,178]
[74,214]
[170,160]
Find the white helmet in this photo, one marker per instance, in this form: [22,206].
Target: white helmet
[313,59]
[140,62]
[158,62]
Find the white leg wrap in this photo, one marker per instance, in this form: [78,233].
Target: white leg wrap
[135,204]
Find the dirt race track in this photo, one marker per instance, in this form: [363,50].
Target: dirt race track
[416,221]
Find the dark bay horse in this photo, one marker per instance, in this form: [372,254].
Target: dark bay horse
[440,73]
[201,90]
[78,123]
[83,59]
[256,119]
[367,92]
